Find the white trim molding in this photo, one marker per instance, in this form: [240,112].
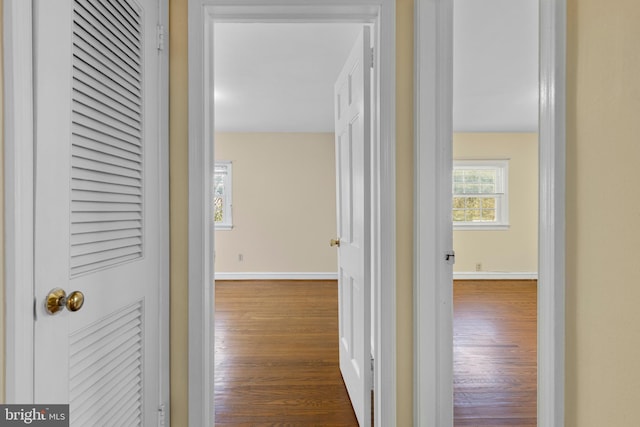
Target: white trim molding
[433,290]
[551,251]
[202,14]
[433,49]
[276,276]
[164,398]
[494,275]
[19,194]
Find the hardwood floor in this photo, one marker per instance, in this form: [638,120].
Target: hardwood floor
[277,354]
[495,361]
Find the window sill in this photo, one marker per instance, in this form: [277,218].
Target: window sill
[481,227]
[222,227]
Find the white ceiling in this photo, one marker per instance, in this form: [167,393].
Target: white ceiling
[495,61]
[279,77]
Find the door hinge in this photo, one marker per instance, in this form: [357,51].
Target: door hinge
[373,58]
[373,373]
[161,36]
[450,257]
[161,415]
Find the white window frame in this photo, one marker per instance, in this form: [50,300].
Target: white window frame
[227,221]
[502,199]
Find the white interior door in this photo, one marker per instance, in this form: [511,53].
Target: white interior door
[97,208]
[353,147]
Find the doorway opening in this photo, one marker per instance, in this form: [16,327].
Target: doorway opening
[275,204]
[203,118]
[495,211]
[433,296]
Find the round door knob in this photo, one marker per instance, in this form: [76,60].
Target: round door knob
[75,300]
[57,300]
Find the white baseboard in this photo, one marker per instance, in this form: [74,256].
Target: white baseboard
[494,275]
[462,275]
[276,276]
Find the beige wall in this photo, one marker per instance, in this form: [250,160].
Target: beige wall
[515,249]
[284,203]
[179,221]
[404,211]
[603,212]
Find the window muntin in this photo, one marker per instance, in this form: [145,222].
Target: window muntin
[222,206]
[480,194]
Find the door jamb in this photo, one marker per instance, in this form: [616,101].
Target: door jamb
[433,230]
[434,26]
[19,192]
[202,13]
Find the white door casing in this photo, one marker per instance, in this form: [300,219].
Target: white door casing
[98,208]
[202,15]
[352,102]
[433,402]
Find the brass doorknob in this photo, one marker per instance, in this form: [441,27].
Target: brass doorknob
[57,299]
[335,242]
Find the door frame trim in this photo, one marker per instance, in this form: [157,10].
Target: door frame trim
[433,39]
[19,192]
[433,230]
[201,296]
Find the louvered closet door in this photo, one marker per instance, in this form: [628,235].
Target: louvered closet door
[97,208]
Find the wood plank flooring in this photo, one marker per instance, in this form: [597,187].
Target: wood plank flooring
[495,362]
[277,355]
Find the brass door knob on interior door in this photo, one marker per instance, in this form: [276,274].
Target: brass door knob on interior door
[335,242]
[57,300]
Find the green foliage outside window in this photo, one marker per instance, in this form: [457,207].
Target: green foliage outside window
[475,194]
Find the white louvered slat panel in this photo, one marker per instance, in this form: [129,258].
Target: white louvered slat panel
[105,127]
[99,90]
[85,75]
[91,196]
[107,164]
[85,238]
[117,117]
[104,138]
[106,369]
[93,176]
[113,150]
[97,260]
[118,62]
[107,191]
[96,227]
[93,20]
[82,217]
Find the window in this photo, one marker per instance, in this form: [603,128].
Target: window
[480,199]
[222,196]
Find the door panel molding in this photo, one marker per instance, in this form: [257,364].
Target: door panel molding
[434,340]
[18,199]
[201,296]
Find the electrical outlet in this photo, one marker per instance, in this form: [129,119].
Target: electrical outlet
[240,257]
[479,266]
